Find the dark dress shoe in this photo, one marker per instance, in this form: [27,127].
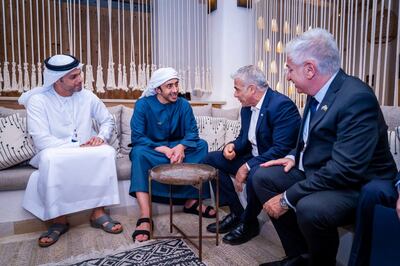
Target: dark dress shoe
[242,233]
[288,261]
[227,224]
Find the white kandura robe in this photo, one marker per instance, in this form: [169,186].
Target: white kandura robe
[70,178]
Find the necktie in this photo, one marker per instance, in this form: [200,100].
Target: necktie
[313,107]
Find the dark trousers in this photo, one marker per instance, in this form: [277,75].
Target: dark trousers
[228,195]
[312,228]
[375,192]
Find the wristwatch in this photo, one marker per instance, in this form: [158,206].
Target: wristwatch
[283,203]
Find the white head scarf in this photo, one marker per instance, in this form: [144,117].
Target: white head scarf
[61,65]
[159,77]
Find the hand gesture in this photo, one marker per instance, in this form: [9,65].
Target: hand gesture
[273,207]
[165,150]
[229,151]
[240,177]
[287,163]
[93,141]
[178,154]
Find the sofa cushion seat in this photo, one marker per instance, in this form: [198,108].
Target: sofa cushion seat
[124,167]
[16,177]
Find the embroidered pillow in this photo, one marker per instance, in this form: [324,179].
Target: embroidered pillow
[212,130]
[16,146]
[116,112]
[232,130]
[4,112]
[204,110]
[231,114]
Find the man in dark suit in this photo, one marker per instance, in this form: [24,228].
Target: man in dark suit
[376,192]
[342,144]
[270,124]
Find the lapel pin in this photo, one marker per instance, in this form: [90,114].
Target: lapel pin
[324,108]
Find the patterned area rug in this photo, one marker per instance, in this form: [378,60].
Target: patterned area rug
[164,252]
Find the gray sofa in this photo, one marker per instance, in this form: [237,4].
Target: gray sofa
[215,126]
[216,130]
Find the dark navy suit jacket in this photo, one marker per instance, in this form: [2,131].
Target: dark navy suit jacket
[276,130]
[347,142]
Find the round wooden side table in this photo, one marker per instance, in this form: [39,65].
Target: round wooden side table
[185,174]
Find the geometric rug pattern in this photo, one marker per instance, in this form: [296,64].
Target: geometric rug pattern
[164,252]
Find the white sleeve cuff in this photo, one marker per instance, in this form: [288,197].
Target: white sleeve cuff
[288,203]
[290,157]
[103,138]
[248,167]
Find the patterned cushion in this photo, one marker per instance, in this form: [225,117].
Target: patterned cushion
[204,110]
[212,130]
[232,130]
[16,145]
[8,111]
[231,114]
[391,115]
[116,112]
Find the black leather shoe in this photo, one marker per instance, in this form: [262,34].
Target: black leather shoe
[227,224]
[288,261]
[242,233]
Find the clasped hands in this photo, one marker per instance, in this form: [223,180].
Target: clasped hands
[93,141]
[175,154]
[273,207]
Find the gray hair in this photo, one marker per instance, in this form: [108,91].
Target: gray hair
[251,75]
[318,45]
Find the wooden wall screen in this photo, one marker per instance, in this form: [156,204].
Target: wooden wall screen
[34,34]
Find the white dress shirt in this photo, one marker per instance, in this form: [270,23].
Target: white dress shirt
[255,113]
[319,97]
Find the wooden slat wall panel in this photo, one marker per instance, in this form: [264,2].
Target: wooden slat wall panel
[94,35]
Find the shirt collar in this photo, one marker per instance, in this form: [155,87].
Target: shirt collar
[260,102]
[322,92]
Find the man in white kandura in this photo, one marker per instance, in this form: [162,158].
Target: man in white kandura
[76,169]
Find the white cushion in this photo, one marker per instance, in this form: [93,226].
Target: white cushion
[232,130]
[391,115]
[16,145]
[212,130]
[8,111]
[231,114]
[116,112]
[203,110]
